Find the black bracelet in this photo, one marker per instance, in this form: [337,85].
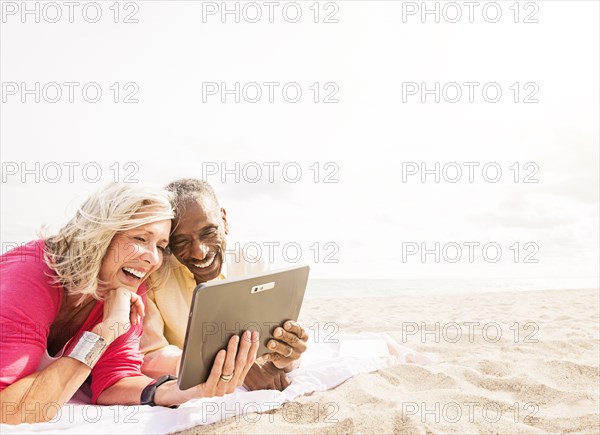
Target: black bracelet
[148,393]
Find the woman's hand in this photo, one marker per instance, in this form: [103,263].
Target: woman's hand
[122,309]
[228,372]
[234,361]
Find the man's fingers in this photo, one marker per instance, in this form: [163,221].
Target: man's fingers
[283,363]
[282,349]
[291,339]
[296,329]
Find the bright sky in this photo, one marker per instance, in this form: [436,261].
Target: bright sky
[374,223]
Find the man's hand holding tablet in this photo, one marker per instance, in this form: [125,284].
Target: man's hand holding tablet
[287,347]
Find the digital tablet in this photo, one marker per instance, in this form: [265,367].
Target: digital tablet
[221,309]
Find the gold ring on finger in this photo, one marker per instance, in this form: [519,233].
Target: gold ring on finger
[226,378]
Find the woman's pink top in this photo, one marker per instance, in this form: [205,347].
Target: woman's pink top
[29,303]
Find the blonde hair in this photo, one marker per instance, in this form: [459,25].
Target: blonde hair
[76,252]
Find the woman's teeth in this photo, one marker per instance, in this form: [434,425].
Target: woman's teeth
[138,274]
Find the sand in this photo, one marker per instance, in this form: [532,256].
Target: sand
[509,363]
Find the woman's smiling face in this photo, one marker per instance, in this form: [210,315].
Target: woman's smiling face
[133,255]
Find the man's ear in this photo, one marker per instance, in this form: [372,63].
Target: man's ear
[224,217]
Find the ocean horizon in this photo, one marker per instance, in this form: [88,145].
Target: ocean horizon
[366,288]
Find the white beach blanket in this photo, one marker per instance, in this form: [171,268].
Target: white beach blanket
[325,365]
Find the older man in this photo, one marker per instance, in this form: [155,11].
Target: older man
[198,243]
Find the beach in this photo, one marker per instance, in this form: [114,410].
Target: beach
[508,363]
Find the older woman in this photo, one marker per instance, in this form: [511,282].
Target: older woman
[72,304]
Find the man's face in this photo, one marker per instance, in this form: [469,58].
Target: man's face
[199,238]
